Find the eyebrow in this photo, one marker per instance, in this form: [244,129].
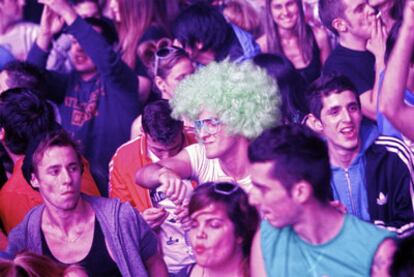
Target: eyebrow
[358,7]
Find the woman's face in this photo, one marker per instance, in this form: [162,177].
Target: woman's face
[212,237]
[285,13]
[114,7]
[180,70]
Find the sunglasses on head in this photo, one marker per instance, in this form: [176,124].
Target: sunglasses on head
[163,53]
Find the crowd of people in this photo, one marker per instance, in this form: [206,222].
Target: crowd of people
[207,138]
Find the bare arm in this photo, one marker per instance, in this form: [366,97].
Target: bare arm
[257,267]
[168,173]
[155,266]
[383,258]
[376,45]
[395,79]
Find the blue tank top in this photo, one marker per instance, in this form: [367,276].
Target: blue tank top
[350,253]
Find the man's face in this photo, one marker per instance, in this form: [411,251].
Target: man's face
[12,10]
[359,17]
[341,121]
[58,178]
[271,198]
[163,151]
[213,135]
[82,63]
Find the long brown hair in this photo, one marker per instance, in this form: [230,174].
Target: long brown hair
[136,17]
[302,30]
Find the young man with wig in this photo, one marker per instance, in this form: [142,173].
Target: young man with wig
[302,234]
[372,176]
[229,104]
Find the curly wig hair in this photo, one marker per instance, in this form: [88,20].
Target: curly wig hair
[242,96]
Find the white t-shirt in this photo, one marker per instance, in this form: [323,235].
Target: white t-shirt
[209,170]
[176,248]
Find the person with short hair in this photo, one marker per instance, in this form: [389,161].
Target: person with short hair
[229,104]
[23,117]
[372,176]
[206,35]
[106,237]
[359,54]
[302,234]
[222,228]
[163,137]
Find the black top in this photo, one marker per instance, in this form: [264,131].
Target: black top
[358,66]
[98,262]
[313,70]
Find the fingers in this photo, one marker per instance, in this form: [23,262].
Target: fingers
[155,216]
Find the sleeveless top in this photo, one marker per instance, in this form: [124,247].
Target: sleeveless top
[349,253]
[97,262]
[313,70]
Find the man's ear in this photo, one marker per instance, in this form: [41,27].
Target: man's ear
[339,25]
[314,123]
[34,181]
[159,82]
[301,191]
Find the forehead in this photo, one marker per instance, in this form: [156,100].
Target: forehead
[282,2]
[87,9]
[161,146]
[213,210]
[342,98]
[58,155]
[205,114]
[184,65]
[261,173]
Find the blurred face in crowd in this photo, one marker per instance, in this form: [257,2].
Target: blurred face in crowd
[212,133]
[88,9]
[341,121]
[163,151]
[212,236]
[11,10]
[180,70]
[114,7]
[58,177]
[285,13]
[359,18]
[271,198]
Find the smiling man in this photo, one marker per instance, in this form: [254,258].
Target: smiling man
[230,104]
[371,176]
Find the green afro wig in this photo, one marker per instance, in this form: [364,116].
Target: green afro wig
[242,96]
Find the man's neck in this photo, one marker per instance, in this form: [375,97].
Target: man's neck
[352,43]
[87,76]
[319,223]
[342,157]
[66,220]
[235,161]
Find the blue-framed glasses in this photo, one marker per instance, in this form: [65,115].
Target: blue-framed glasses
[209,125]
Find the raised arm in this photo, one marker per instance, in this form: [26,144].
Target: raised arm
[391,102]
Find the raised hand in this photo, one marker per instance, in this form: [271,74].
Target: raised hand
[173,186]
[62,8]
[377,43]
[50,22]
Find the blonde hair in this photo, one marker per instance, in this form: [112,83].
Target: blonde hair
[242,14]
